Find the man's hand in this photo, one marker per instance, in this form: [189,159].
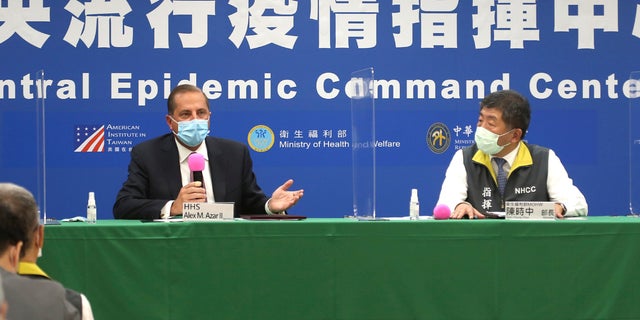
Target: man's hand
[282,199]
[560,210]
[465,209]
[191,192]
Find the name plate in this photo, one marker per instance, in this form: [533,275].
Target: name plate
[207,211]
[533,210]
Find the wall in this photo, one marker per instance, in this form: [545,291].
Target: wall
[111,65]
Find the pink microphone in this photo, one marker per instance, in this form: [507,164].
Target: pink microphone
[196,165]
[441,212]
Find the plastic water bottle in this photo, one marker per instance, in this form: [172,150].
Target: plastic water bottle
[414,205]
[91,208]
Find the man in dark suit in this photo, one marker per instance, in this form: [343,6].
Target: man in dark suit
[159,179]
[26,298]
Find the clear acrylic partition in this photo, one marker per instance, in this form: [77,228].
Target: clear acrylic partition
[41,163]
[634,143]
[363,135]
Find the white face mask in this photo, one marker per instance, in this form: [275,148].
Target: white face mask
[487,141]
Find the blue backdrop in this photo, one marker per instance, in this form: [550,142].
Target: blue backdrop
[285,64]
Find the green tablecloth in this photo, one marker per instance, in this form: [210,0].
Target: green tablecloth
[356,270]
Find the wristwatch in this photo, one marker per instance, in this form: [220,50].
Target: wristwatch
[564,208]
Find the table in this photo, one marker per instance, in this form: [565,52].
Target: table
[356,270]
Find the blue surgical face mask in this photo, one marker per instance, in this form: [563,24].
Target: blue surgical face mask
[487,141]
[192,132]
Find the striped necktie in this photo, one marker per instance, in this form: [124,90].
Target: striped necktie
[501,174]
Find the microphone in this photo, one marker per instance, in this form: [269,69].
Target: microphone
[196,165]
[441,212]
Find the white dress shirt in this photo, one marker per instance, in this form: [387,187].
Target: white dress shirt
[185,172]
[559,185]
[183,156]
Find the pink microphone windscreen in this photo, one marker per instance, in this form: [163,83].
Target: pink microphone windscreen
[196,162]
[441,212]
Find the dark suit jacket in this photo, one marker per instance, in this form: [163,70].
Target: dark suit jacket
[154,178]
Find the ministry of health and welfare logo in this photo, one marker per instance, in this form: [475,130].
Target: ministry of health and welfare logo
[89,138]
[260,138]
[438,137]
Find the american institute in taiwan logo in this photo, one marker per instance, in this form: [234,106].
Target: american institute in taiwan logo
[261,138]
[89,138]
